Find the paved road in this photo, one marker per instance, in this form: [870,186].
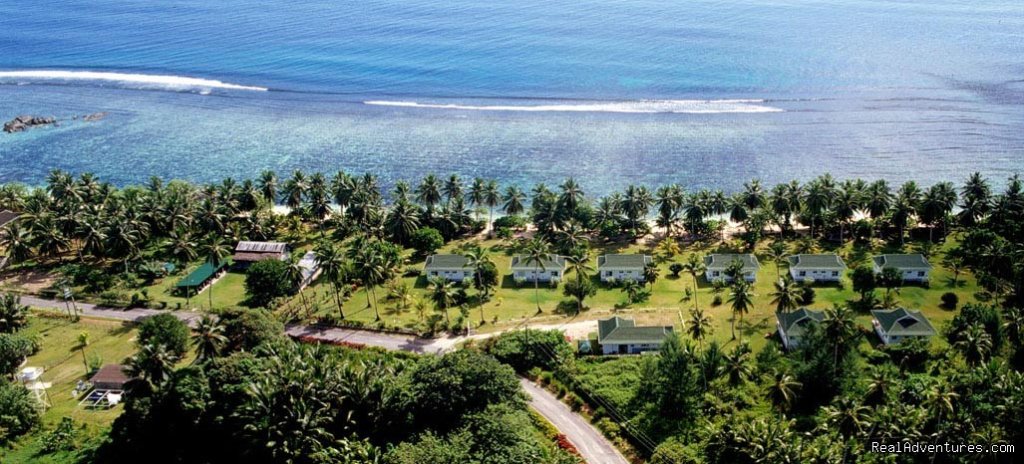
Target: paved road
[91,310]
[592,445]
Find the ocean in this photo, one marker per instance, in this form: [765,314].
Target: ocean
[707,94]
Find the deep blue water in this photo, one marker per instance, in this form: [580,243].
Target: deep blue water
[925,90]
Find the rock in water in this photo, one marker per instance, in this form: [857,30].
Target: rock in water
[24,122]
[94,116]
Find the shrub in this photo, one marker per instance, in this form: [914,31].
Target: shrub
[608,427]
[267,280]
[18,413]
[807,295]
[950,300]
[510,222]
[675,268]
[717,300]
[167,330]
[61,438]
[575,403]
[13,350]
[426,240]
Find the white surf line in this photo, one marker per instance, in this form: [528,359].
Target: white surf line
[146,79]
[639,106]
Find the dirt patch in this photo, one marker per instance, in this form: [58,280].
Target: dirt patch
[27,281]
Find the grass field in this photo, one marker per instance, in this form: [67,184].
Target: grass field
[62,361]
[512,305]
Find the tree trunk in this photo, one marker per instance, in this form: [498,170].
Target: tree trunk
[374,304]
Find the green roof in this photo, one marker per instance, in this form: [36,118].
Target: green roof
[903,322]
[721,261]
[446,262]
[199,276]
[902,261]
[621,331]
[553,262]
[794,322]
[630,261]
[822,261]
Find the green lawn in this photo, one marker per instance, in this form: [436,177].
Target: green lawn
[61,359]
[512,305]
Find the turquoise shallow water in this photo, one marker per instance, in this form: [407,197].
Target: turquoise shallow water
[524,92]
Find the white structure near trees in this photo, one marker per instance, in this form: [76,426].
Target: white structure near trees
[617,268]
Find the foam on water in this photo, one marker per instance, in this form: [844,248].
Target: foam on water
[129,80]
[638,106]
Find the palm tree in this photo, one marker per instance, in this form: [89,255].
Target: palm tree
[578,262]
[477,259]
[786,296]
[296,275]
[777,253]
[632,290]
[936,204]
[83,341]
[977,199]
[699,326]
[736,365]
[651,273]
[294,190]
[209,339]
[372,270]
[429,192]
[782,390]
[332,266]
[12,313]
[974,343]
[537,253]
[694,266]
[442,292]
[268,186]
[847,201]
[571,197]
[635,204]
[668,200]
[402,221]
[742,299]
[514,198]
[878,200]
[153,362]
[476,193]
[492,197]
[215,251]
[453,188]
[17,241]
[905,206]
[847,417]
[841,331]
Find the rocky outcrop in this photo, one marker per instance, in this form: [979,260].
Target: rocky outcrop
[94,117]
[21,123]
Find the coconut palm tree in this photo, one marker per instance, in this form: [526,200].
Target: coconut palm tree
[777,253]
[635,204]
[974,343]
[429,193]
[17,241]
[936,205]
[492,197]
[537,252]
[786,296]
[651,273]
[736,364]
[83,342]
[694,266]
[570,198]
[477,259]
[268,186]
[372,271]
[442,292]
[976,197]
[154,363]
[578,262]
[216,252]
[332,267]
[402,221]
[741,299]
[208,339]
[847,201]
[782,390]
[753,195]
[477,192]
[514,198]
[699,326]
[12,313]
[294,190]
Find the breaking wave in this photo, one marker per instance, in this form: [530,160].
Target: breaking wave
[141,81]
[637,106]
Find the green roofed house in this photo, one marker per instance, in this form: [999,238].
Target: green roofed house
[197,279]
[792,325]
[621,336]
[828,267]
[618,268]
[895,325]
[913,267]
[551,270]
[449,267]
[716,264]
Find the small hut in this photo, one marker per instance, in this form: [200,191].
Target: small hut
[109,377]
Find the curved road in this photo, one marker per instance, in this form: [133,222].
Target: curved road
[592,445]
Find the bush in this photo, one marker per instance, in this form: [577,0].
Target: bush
[950,300]
[510,222]
[61,438]
[807,295]
[266,281]
[608,427]
[113,298]
[717,300]
[247,329]
[13,350]
[426,240]
[527,349]
[167,330]
[675,268]
[18,413]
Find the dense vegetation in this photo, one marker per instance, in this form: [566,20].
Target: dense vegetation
[251,393]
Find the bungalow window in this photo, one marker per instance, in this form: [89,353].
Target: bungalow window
[835,273]
[608,273]
[920,273]
[714,273]
[803,273]
[433,273]
[554,273]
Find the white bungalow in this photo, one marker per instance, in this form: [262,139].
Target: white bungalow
[449,267]
[793,325]
[716,264]
[617,268]
[913,267]
[621,336]
[897,325]
[550,269]
[827,267]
